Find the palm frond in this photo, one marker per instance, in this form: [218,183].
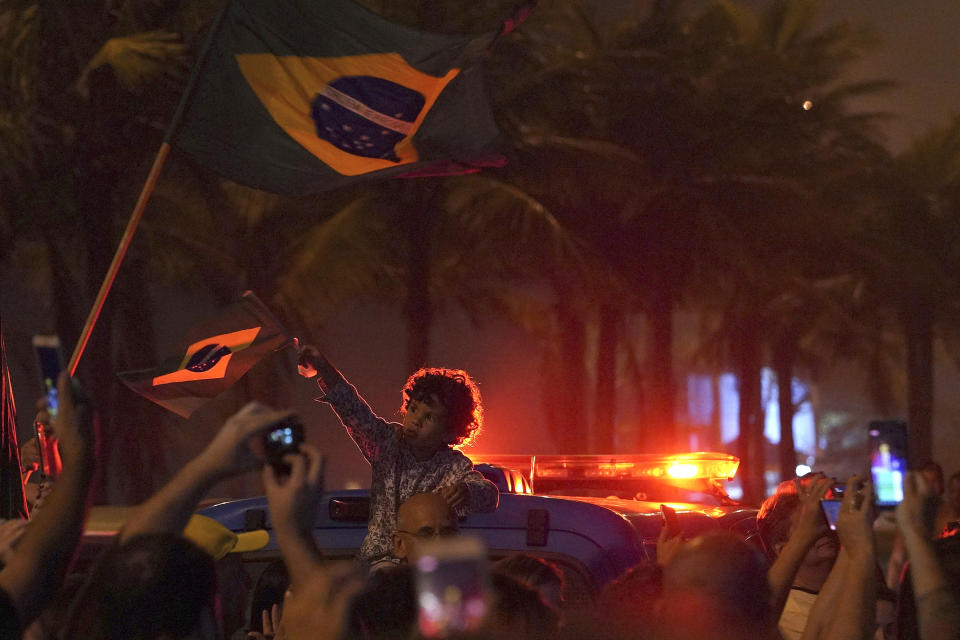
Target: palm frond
[136,59]
[351,254]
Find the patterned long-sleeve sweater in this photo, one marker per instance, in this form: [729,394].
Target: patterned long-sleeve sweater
[397,474]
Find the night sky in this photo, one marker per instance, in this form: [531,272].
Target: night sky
[919,48]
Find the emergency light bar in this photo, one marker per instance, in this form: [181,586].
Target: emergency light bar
[682,466]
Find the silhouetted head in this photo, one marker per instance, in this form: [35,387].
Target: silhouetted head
[716,588]
[152,586]
[536,573]
[776,521]
[518,611]
[625,607]
[933,472]
[386,609]
[269,590]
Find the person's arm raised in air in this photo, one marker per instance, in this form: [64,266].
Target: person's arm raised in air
[938,612]
[228,454]
[368,430]
[810,526]
[42,555]
[846,606]
[319,593]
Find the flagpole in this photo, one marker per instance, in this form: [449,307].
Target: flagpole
[145,194]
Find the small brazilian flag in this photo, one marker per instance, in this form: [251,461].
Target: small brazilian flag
[301,96]
[213,356]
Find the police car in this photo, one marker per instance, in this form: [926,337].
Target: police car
[592,538]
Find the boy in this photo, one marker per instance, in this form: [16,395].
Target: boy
[441,410]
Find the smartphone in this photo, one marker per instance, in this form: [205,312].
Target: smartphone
[453,586]
[670,519]
[283,437]
[888,460]
[830,508]
[50,362]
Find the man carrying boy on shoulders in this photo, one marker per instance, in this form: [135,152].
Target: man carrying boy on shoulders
[441,410]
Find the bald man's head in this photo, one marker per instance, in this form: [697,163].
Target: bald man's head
[423,516]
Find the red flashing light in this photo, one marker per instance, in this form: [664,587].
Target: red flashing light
[684,470]
[684,466]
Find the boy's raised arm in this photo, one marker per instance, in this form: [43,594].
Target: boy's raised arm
[369,431]
[313,364]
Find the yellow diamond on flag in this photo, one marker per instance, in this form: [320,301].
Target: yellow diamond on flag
[209,358]
[357,114]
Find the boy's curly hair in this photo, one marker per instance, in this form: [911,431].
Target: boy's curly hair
[457,392]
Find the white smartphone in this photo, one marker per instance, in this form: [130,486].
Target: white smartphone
[453,586]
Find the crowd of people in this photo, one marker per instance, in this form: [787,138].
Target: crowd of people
[170,573]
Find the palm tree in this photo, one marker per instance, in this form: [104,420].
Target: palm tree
[425,244]
[778,126]
[72,124]
[912,244]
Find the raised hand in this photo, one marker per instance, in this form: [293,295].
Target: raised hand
[30,455]
[810,523]
[74,423]
[308,360]
[293,498]
[230,452]
[913,511]
[669,542]
[269,623]
[855,520]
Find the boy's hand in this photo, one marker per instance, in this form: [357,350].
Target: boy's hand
[455,494]
[308,361]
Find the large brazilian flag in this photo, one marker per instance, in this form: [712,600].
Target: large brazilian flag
[301,96]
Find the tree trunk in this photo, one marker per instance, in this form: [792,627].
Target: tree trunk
[565,381]
[918,326]
[784,354]
[749,365]
[62,288]
[716,416]
[662,398]
[605,397]
[419,308]
[96,173]
[135,460]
